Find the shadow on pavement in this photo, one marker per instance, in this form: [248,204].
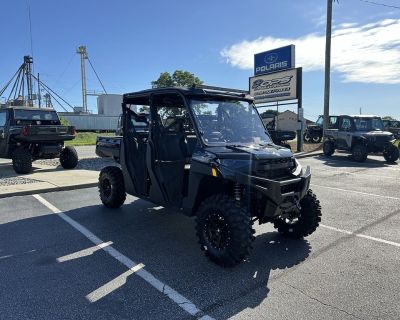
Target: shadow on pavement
[345,160]
[165,242]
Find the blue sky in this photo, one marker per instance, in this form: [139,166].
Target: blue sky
[131,42]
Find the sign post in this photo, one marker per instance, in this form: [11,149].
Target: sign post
[300,110]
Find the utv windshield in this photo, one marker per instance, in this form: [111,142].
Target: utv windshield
[229,122]
[23,116]
[368,124]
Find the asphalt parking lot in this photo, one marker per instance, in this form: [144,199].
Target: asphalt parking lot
[62,255]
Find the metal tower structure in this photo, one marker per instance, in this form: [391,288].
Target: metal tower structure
[83,53]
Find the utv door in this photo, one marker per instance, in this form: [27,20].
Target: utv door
[344,133]
[167,149]
[3,137]
[133,152]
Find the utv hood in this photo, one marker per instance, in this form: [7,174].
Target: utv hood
[250,152]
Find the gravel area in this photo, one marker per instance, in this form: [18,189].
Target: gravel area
[95,164]
[15,180]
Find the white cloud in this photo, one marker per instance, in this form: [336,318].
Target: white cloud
[360,53]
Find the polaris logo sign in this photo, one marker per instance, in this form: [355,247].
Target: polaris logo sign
[274,60]
[274,87]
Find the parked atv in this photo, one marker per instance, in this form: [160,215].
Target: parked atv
[360,135]
[28,134]
[207,154]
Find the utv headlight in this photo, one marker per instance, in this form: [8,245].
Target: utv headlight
[297,169]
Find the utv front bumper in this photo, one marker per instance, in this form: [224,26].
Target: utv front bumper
[278,193]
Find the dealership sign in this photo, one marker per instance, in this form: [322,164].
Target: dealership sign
[274,60]
[274,87]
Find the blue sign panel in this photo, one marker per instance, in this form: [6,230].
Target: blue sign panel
[274,60]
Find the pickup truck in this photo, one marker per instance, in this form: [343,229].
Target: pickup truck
[28,134]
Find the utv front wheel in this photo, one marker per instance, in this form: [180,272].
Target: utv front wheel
[69,157]
[328,148]
[391,154]
[22,160]
[304,223]
[224,230]
[359,153]
[111,187]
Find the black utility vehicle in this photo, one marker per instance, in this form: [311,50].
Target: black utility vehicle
[360,135]
[315,132]
[207,154]
[28,134]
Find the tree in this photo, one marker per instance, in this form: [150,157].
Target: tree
[388,118]
[179,78]
[64,121]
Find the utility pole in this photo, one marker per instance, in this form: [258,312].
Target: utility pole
[83,53]
[28,73]
[327,63]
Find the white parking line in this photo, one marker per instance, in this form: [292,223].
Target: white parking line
[392,243]
[354,191]
[137,269]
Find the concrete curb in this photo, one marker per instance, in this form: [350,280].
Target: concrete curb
[49,189]
[308,154]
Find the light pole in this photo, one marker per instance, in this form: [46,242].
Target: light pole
[327,63]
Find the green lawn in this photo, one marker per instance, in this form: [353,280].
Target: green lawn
[87,138]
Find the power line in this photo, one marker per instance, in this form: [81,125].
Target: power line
[380,4]
[96,75]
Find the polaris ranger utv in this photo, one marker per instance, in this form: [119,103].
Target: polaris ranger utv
[28,134]
[207,154]
[360,135]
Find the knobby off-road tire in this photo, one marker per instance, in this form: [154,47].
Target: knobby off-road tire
[111,187]
[328,148]
[307,222]
[307,138]
[391,154]
[316,139]
[359,153]
[69,158]
[224,229]
[22,160]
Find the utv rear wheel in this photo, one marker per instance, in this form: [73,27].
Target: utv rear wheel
[359,153]
[111,187]
[22,160]
[304,223]
[328,148]
[69,157]
[307,138]
[224,229]
[391,154]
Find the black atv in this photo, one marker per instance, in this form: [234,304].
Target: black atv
[207,154]
[360,135]
[28,134]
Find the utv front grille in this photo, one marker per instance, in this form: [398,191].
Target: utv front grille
[274,168]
